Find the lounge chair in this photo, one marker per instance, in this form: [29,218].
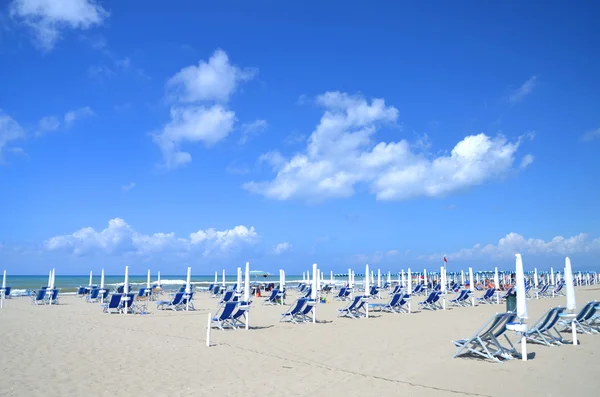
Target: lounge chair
[306,310]
[236,318]
[113,304]
[484,343]
[541,332]
[293,313]
[388,307]
[224,316]
[586,313]
[432,301]
[461,298]
[273,298]
[341,295]
[39,298]
[488,296]
[93,296]
[355,309]
[174,304]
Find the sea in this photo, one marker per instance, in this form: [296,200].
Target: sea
[23,285]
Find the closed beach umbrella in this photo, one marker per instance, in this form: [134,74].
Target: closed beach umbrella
[90,278]
[148,280]
[497,285]
[409,288]
[520,287]
[216,277]
[379,278]
[425,277]
[350,278]
[188,288]
[443,285]
[3,289]
[462,277]
[535,277]
[403,277]
[571,303]
[238,287]
[471,286]
[223,278]
[331,277]
[313,292]
[126,287]
[552,276]
[50,279]
[247,292]
[367,284]
[102,285]
[158,279]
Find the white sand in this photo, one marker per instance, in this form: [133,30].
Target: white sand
[73,349]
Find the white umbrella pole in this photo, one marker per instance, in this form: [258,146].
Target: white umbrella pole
[223,278]
[497,285]
[188,289]
[471,286]
[3,291]
[208,330]
[409,289]
[443,289]
[102,285]
[126,288]
[367,288]
[90,278]
[247,293]
[314,292]
[238,288]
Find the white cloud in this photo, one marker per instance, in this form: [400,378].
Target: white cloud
[120,238]
[525,89]
[342,154]
[49,18]
[191,121]
[526,161]
[74,115]
[215,80]
[128,187]
[10,131]
[515,243]
[375,258]
[47,124]
[250,129]
[281,248]
[591,135]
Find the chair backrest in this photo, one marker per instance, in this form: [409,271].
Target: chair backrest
[228,295]
[395,299]
[177,298]
[298,306]
[141,292]
[227,311]
[355,302]
[80,290]
[54,294]
[115,301]
[274,293]
[40,295]
[587,311]
[7,291]
[94,293]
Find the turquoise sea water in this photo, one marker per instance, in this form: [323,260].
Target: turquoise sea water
[67,284]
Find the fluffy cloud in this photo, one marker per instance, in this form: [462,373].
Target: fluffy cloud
[250,129]
[524,90]
[281,248]
[341,154]
[119,238]
[49,18]
[128,187]
[53,123]
[526,161]
[192,119]
[10,131]
[515,243]
[591,135]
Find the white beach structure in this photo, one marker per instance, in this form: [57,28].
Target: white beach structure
[313,292]
[521,301]
[443,285]
[126,289]
[188,289]
[90,284]
[409,289]
[247,293]
[367,288]
[3,290]
[238,287]
[102,290]
[497,285]
[471,286]
[571,302]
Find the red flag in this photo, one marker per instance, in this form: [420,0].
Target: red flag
[445,260]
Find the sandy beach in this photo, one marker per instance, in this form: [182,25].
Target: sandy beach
[73,349]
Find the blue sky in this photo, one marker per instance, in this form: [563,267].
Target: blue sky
[342,133]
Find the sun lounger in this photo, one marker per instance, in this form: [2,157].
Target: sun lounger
[293,313]
[541,332]
[174,304]
[387,307]
[488,296]
[432,301]
[485,342]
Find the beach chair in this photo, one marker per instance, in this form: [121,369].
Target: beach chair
[507,293]
[586,313]
[227,296]
[223,317]
[542,292]
[541,332]
[397,289]
[355,309]
[186,302]
[306,310]
[387,307]
[293,313]
[236,318]
[272,299]
[484,343]
[172,304]
[52,296]
[93,296]
[418,289]
[80,292]
[432,301]
[488,296]
[216,291]
[7,292]
[113,304]
[39,298]
[461,298]
[341,295]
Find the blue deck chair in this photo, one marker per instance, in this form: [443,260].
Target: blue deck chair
[387,307]
[307,293]
[7,292]
[541,332]
[460,299]
[272,299]
[103,294]
[354,308]
[216,291]
[418,289]
[93,296]
[80,292]
[52,297]
[487,297]
[397,289]
[227,296]
[341,295]
[484,343]
[184,302]
[542,292]
[507,293]
[172,304]
[306,310]
[586,313]
[236,318]
[39,298]
[223,317]
[127,303]
[293,313]
[431,303]
[113,304]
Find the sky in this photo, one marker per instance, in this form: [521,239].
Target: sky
[286,134]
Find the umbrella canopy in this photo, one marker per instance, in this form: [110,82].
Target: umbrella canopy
[313,292]
[471,284]
[409,283]
[126,281]
[102,279]
[520,284]
[187,280]
[247,283]
[90,278]
[568,275]
[148,280]
[367,286]
[238,287]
